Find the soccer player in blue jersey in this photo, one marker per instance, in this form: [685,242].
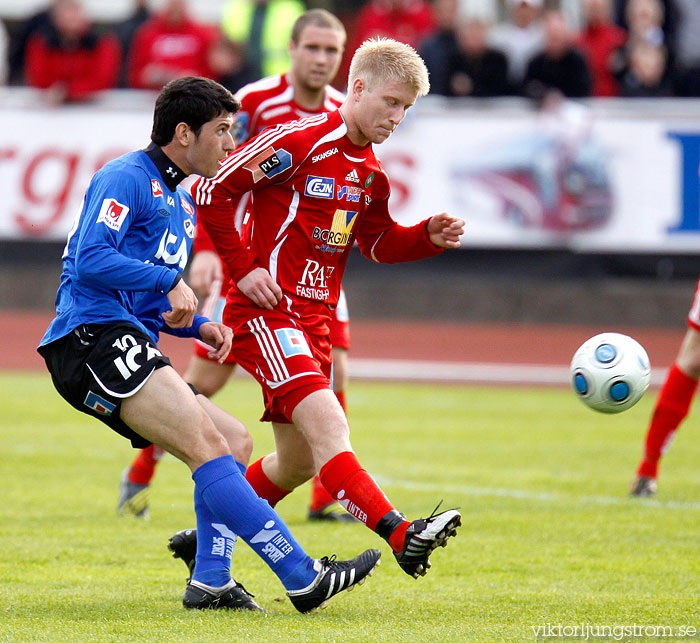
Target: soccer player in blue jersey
[121,285]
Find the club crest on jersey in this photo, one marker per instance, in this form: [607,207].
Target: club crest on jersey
[189,228]
[112,214]
[156,187]
[187,206]
[269,163]
[292,342]
[340,231]
[319,186]
[352,176]
[350,193]
[99,404]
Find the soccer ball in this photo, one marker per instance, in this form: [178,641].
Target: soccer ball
[610,372]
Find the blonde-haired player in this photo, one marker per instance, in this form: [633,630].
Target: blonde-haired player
[317,189]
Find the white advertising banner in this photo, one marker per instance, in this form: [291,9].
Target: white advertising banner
[617,176]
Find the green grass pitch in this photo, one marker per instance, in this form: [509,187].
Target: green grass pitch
[549,537]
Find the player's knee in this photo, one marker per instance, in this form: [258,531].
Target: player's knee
[239,440]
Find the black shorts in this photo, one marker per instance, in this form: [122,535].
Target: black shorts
[98,365]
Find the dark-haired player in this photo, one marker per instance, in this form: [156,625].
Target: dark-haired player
[121,285]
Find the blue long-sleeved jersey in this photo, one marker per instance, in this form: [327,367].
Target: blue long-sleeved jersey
[127,247]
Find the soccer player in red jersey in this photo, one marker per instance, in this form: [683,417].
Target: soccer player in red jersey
[316,49]
[672,405]
[317,188]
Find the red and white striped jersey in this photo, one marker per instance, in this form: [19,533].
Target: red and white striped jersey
[266,103]
[313,194]
[270,101]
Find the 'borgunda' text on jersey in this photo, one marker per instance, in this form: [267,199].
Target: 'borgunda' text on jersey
[314,194]
[127,247]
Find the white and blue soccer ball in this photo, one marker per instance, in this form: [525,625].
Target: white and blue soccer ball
[610,372]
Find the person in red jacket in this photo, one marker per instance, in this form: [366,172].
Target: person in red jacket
[69,58]
[169,45]
[602,41]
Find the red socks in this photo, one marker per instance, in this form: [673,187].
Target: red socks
[358,493]
[144,465]
[672,406]
[262,485]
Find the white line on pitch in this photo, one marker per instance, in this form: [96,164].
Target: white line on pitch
[533,495]
[472,372]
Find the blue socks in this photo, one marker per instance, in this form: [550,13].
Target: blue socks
[226,505]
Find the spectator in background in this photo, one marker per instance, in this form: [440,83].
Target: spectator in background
[167,46]
[4,43]
[645,76]
[69,58]
[520,38]
[408,21]
[228,64]
[686,45]
[559,65]
[125,31]
[262,27]
[438,47]
[602,41]
[18,44]
[475,69]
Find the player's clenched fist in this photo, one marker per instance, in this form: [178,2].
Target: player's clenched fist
[219,337]
[259,286]
[445,230]
[184,305]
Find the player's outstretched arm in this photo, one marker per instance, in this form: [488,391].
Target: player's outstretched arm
[259,286]
[219,337]
[184,305]
[445,230]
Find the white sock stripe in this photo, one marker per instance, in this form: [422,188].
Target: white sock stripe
[262,343]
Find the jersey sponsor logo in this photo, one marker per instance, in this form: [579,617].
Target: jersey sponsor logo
[321,187]
[340,232]
[112,214]
[292,342]
[171,201]
[168,253]
[368,199]
[99,404]
[352,176]
[350,192]
[187,206]
[313,284]
[189,228]
[269,163]
[156,187]
[324,155]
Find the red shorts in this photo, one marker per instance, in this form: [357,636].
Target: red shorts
[288,363]
[213,308]
[339,325]
[693,320]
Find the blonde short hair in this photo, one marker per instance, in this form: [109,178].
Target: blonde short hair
[384,59]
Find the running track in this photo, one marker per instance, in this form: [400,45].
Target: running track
[414,350]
